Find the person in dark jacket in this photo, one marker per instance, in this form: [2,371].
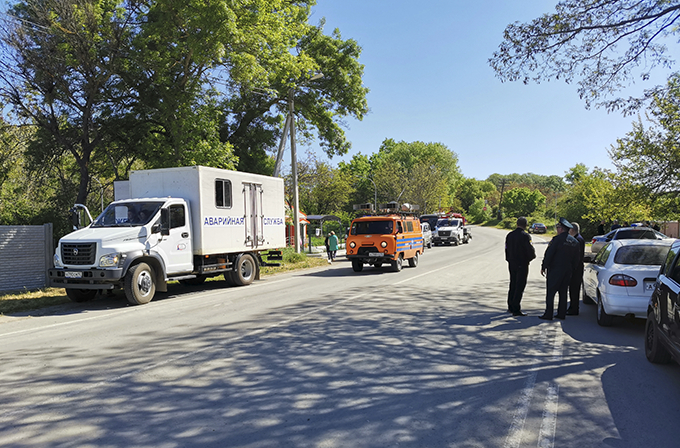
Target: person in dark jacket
[518,253]
[577,274]
[559,261]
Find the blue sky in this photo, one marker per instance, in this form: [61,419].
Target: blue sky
[426,64]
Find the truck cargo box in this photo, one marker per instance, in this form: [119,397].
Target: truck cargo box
[231,211]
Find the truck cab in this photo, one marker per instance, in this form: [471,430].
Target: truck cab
[449,231]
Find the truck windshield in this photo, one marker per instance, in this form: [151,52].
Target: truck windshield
[448,223]
[370,227]
[127,214]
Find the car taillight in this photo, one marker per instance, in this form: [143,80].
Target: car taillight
[593,241]
[622,280]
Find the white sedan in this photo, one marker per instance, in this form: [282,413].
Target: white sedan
[621,279]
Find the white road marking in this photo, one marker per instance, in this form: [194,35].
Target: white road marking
[516,428]
[514,438]
[546,436]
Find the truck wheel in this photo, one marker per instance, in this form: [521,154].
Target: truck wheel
[357,265]
[398,263]
[139,284]
[244,271]
[81,295]
[413,262]
[199,280]
[229,278]
[654,351]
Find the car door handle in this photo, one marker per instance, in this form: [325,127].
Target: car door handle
[185,234]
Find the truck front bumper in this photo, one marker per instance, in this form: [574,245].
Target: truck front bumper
[84,278]
[364,258]
[445,239]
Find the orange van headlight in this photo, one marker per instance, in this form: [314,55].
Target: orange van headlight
[383,244]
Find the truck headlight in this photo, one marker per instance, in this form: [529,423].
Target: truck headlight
[57,261]
[383,244]
[352,244]
[108,261]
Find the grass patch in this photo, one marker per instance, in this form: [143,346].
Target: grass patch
[18,302]
[31,300]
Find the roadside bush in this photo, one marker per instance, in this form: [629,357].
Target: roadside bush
[290,256]
[509,223]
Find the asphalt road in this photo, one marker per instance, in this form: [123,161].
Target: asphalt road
[427,357]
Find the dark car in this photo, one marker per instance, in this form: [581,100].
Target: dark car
[538,227]
[662,330]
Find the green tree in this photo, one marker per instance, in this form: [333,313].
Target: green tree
[604,44]
[470,191]
[522,201]
[322,189]
[61,71]
[650,157]
[255,116]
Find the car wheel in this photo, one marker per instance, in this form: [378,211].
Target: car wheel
[398,263]
[81,295]
[586,299]
[603,319]
[654,351]
[357,265]
[139,284]
[244,271]
[413,262]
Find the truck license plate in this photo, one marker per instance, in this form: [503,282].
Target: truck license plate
[73,274]
[375,254]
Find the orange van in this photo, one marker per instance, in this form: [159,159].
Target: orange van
[378,240]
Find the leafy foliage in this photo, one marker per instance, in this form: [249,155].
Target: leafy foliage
[522,201]
[604,44]
[650,157]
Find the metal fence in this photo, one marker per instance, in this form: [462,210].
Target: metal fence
[25,255]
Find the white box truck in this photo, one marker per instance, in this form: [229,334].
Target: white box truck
[185,224]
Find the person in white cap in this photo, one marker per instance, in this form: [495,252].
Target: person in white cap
[560,260]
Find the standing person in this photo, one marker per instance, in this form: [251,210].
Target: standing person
[326,243]
[559,262]
[615,225]
[332,245]
[600,228]
[577,274]
[518,253]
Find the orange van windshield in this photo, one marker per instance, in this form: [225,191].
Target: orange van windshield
[370,227]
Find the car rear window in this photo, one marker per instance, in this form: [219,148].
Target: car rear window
[644,255]
[636,234]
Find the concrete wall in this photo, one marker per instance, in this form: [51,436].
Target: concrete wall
[25,255]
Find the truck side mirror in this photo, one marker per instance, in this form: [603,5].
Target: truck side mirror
[165,221]
[75,218]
